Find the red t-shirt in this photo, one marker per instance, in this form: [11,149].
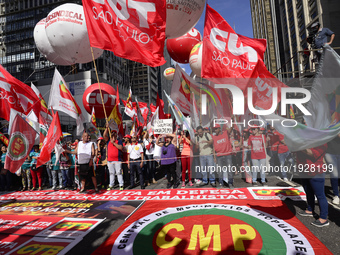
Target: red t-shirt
[282,148]
[274,139]
[222,144]
[257,146]
[316,160]
[112,152]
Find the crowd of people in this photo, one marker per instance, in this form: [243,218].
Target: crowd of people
[214,156]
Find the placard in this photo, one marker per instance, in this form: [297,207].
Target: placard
[163,126]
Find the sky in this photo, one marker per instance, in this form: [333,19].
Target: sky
[235,12]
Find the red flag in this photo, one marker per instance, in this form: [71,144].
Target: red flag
[93,118]
[21,141]
[133,30]
[152,109]
[229,57]
[142,111]
[53,135]
[225,53]
[129,106]
[43,104]
[160,104]
[3,139]
[16,95]
[117,97]
[44,125]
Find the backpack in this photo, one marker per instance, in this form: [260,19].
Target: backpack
[206,137]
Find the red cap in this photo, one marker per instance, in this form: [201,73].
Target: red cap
[127,136]
[100,138]
[262,129]
[217,126]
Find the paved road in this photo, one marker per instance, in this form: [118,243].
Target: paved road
[330,235]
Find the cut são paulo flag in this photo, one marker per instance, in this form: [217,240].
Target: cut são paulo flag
[229,58]
[133,30]
[225,53]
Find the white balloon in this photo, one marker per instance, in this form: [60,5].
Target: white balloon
[169,73]
[195,59]
[44,46]
[181,16]
[67,33]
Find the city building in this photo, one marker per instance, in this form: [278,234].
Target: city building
[21,58]
[147,81]
[286,26]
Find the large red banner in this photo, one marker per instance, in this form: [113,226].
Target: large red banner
[265,193]
[133,30]
[212,227]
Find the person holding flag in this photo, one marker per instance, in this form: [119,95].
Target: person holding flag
[114,157]
[85,152]
[257,143]
[186,156]
[135,161]
[168,158]
[36,172]
[223,152]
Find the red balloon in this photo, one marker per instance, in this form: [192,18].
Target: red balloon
[92,98]
[167,116]
[179,48]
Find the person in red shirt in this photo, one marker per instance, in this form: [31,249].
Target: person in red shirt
[257,144]
[186,156]
[282,152]
[314,182]
[126,175]
[223,154]
[114,158]
[273,139]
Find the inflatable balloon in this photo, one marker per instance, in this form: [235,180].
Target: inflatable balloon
[92,99]
[195,59]
[181,16]
[179,48]
[169,73]
[44,46]
[67,33]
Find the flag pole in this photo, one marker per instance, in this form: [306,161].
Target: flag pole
[100,90]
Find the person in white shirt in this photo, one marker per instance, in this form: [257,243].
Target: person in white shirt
[86,152]
[135,161]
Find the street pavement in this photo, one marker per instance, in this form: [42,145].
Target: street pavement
[329,236]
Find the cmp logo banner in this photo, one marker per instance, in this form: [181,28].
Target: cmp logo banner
[18,146]
[240,227]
